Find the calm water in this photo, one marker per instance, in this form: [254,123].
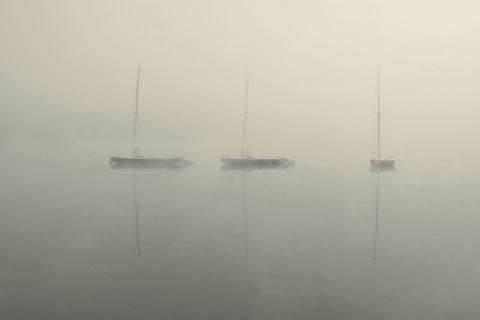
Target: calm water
[82,241]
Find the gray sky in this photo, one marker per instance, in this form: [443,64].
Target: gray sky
[68,72]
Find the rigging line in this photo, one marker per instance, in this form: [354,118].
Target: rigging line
[245,118]
[373,137]
[384,124]
[378,115]
[375,121]
[136,112]
[385,127]
[386,144]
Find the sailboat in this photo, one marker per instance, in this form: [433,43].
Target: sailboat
[379,160]
[246,159]
[138,160]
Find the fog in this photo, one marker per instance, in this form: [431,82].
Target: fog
[69,73]
[68,87]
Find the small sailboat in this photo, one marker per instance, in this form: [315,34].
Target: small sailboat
[379,160]
[246,159]
[136,159]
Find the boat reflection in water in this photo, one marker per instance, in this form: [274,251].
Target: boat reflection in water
[245,170]
[375,169]
[245,216]
[135,167]
[378,171]
[136,214]
[179,165]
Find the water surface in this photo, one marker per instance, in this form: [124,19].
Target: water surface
[81,240]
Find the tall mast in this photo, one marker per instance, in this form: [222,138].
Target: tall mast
[136,111]
[378,111]
[245,118]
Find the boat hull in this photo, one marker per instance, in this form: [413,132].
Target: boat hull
[147,161]
[258,162]
[382,162]
[256,167]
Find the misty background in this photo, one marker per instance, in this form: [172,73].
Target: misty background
[69,75]
[326,238]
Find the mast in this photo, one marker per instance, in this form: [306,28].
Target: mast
[245,118]
[136,111]
[378,111]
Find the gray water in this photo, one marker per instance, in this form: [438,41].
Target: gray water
[80,240]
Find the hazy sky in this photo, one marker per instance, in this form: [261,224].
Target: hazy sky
[68,72]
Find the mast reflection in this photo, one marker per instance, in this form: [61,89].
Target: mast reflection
[135,168]
[136,213]
[378,171]
[245,170]
[245,214]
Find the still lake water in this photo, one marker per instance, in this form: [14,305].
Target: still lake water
[82,241]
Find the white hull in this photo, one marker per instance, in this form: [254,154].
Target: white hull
[146,161]
[279,161]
